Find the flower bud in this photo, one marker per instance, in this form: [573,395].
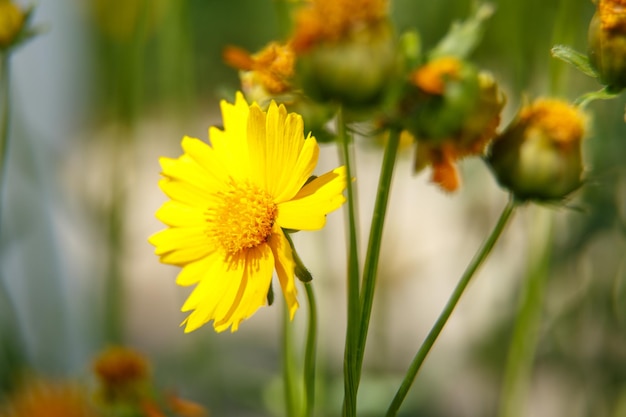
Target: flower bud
[267,74]
[453,113]
[607,43]
[347,51]
[538,157]
[11,23]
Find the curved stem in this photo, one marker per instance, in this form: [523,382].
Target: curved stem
[603,94]
[310,353]
[370,270]
[351,384]
[428,343]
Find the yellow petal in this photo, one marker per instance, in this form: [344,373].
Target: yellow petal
[176,214]
[205,157]
[284,264]
[259,266]
[186,193]
[194,272]
[308,209]
[300,172]
[231,144]
[181,245]
[205,299]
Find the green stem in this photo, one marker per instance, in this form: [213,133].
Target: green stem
[350,356]
[310,353]
[289,369]
[603,94]
[4,122]
[478,259]
[282,15]
[523,343]
[370,270]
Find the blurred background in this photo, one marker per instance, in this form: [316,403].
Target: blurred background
[112,85]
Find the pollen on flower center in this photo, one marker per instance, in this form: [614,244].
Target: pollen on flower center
[243,218]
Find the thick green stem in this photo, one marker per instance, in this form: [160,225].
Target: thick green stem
[523,343]
[310,354]
[289,369]
[352,335]
[478,259]
[370,270]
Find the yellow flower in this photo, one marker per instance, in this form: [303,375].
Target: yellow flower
[229,205]
[44,398]
[11,22]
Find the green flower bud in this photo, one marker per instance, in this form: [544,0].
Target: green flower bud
[538,157]
[607,43]
[354,70]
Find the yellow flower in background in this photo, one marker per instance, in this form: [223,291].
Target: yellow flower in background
[11,22]
[229,203]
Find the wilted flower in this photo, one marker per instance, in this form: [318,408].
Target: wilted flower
[266,74]
[452,111]
[538,157]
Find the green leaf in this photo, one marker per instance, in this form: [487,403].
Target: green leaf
[574,58]
[463,37]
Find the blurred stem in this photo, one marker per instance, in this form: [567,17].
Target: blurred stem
[523,343]
[289,368]
[351,383]
[283,18]
[311,352]
[11,346]
[564,33]
[127,69]
[4,122]
[370,270]
[428,343]
[114,289]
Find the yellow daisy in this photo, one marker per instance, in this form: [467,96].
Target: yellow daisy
[229,205]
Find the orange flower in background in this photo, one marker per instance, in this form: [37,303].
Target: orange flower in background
[121,371]
[331,20]
[39,398]
[266,74]
[229,203]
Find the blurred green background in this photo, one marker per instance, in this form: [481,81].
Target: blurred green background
[113,85]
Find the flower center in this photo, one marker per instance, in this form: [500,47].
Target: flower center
[243,218]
